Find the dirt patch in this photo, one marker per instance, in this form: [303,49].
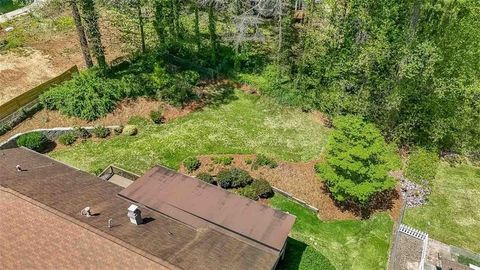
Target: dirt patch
[123,112]
[296,178]
[23,69]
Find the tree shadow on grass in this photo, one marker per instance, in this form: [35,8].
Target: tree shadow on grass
[300,256]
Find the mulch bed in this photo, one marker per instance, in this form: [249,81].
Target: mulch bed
[123,112]
[298,179]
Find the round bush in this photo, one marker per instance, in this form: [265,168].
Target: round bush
[101,131]
[191,164]
[233,178]
[130,130]
[118,130]
[36,141]
[205,177]
[422,166]
[262,188]
[67,138]
[81,133]
[248,192]
[157,117]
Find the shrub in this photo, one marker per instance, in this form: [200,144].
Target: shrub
[191,164]
[81,133]
[357,161]
[87,96]
[4,128]
[101,131]
[157,117]
[262,160]
[67,138]
[118,130]
[422,166]
[233,178]
[206,177]
[130,130]
[262,188]
[36,141]
[223,160]
[248,192]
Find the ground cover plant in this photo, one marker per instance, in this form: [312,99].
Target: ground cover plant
[248,124]
[451,214]
[352,244]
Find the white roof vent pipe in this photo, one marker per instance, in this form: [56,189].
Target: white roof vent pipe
[135,214]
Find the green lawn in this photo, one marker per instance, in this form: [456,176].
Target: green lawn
[335,244]
[247,124]
[453,213]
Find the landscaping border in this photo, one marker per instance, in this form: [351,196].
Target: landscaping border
[295,199]
[50,133]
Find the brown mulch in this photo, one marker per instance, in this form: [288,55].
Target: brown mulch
[298,179]
[123,112]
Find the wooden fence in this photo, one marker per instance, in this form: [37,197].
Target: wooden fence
[31,95]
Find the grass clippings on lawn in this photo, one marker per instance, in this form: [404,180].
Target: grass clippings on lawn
[452,214]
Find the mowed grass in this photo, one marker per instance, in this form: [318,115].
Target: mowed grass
[336,244]
[452,214]
[245,125]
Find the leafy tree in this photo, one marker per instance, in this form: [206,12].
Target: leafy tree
[357,161]
[81,33]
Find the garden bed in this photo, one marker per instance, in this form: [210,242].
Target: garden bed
[296,178]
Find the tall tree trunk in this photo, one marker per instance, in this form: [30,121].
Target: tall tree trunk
[160,21]
[197,27]
[141,25]
[90,17]
[81,34]
[212,28]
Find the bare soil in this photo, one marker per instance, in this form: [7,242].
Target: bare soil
[126,109]
[46,54]
[296,178]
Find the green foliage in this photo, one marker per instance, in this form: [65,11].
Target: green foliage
[299,256]
[4,128]
[233,178]
[422,165]
[81,133]
[248,192]
[262,160]
[101,131]
[130,130]
[157,117]
[67,138]
[206,177]
[87,96]
[36,141]
[356,165]
[223,160]
[262,188]
[191,164]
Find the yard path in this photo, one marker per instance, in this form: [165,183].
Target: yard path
[21,11]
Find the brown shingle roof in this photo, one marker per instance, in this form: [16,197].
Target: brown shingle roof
[68,190]
[198,204]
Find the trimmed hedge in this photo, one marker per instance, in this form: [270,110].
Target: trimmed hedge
[262,188]
[36,141]
[233,178]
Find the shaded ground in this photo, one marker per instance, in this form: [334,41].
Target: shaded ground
[452,214]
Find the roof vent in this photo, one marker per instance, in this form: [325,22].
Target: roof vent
[135,214]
